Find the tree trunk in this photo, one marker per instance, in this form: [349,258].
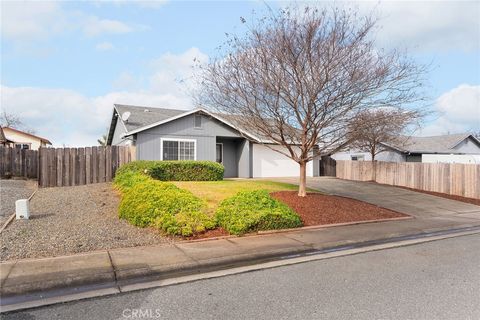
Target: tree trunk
[374,168]
[302,188]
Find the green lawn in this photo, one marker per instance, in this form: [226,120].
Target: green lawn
[215,191]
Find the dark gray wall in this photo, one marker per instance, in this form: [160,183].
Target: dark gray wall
[236,150]
[230,161]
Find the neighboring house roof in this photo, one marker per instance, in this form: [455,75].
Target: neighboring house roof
[141,120]
[46,141]
[4,139]
[433,144]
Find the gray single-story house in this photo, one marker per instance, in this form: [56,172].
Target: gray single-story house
[459,148]
[171,134]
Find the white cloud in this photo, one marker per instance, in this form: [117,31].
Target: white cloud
[420,25]
[459,111]
[32,20]
[428,26]
[104,46]
[174,73]
[94,26]
[149,4]
[68,117]
[24,22]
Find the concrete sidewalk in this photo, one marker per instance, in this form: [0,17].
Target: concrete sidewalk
[117,267]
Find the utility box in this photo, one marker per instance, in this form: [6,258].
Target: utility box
[22,210]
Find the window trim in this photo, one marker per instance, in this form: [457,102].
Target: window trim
[195,122]
[359,157]
[179,140]
[216,152]
[29,144]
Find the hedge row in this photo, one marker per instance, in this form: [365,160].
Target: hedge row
[176,170]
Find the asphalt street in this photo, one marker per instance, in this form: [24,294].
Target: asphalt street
[434,280]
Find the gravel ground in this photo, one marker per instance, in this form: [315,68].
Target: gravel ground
[11,191]
[71,220]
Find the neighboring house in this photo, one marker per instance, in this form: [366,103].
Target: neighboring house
[4,141]
[170,134]
[452,148]
[25,140]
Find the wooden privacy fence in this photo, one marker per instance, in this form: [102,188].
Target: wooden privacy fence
[451,178]
[78,166]
[18,163]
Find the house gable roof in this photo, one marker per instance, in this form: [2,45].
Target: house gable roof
[140,120]
[4,139]
[46,141]
[433,144]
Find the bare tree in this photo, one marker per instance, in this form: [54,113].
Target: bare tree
[10,120]
[377,130]
[299,77]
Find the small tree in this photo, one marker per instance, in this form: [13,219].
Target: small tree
[299,78]
[376,130]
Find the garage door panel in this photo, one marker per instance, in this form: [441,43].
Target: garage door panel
[269,163]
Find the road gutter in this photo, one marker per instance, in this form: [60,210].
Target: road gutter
[60,296]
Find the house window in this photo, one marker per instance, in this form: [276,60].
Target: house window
[178,149]
[198,121]
[358,158]
[22,146]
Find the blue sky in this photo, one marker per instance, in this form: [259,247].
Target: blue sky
[64,64]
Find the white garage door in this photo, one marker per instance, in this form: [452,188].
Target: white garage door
[268,163]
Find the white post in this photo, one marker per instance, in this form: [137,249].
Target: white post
[22,209]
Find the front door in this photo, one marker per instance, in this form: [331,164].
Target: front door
[219,153]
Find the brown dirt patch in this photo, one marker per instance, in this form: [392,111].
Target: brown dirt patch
[215,233]
[320,209]
[447,196]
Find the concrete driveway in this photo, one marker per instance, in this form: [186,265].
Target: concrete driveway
[419,205]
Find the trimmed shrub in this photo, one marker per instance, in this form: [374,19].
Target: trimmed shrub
[187,171]
[163,205]
[250,211]
[126,179]
[176,170]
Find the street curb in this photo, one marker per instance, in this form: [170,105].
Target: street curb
[27,299]
[93,291]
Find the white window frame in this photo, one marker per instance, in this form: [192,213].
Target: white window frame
[178,140]
[360,157]
[216,152]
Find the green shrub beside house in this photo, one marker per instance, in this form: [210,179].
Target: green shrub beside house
[177,170]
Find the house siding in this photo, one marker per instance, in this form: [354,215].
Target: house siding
[148,142]
[390,156]
[244,155]
[117,139]
[468,146]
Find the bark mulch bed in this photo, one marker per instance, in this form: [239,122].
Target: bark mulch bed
[320,209]
[447,196]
